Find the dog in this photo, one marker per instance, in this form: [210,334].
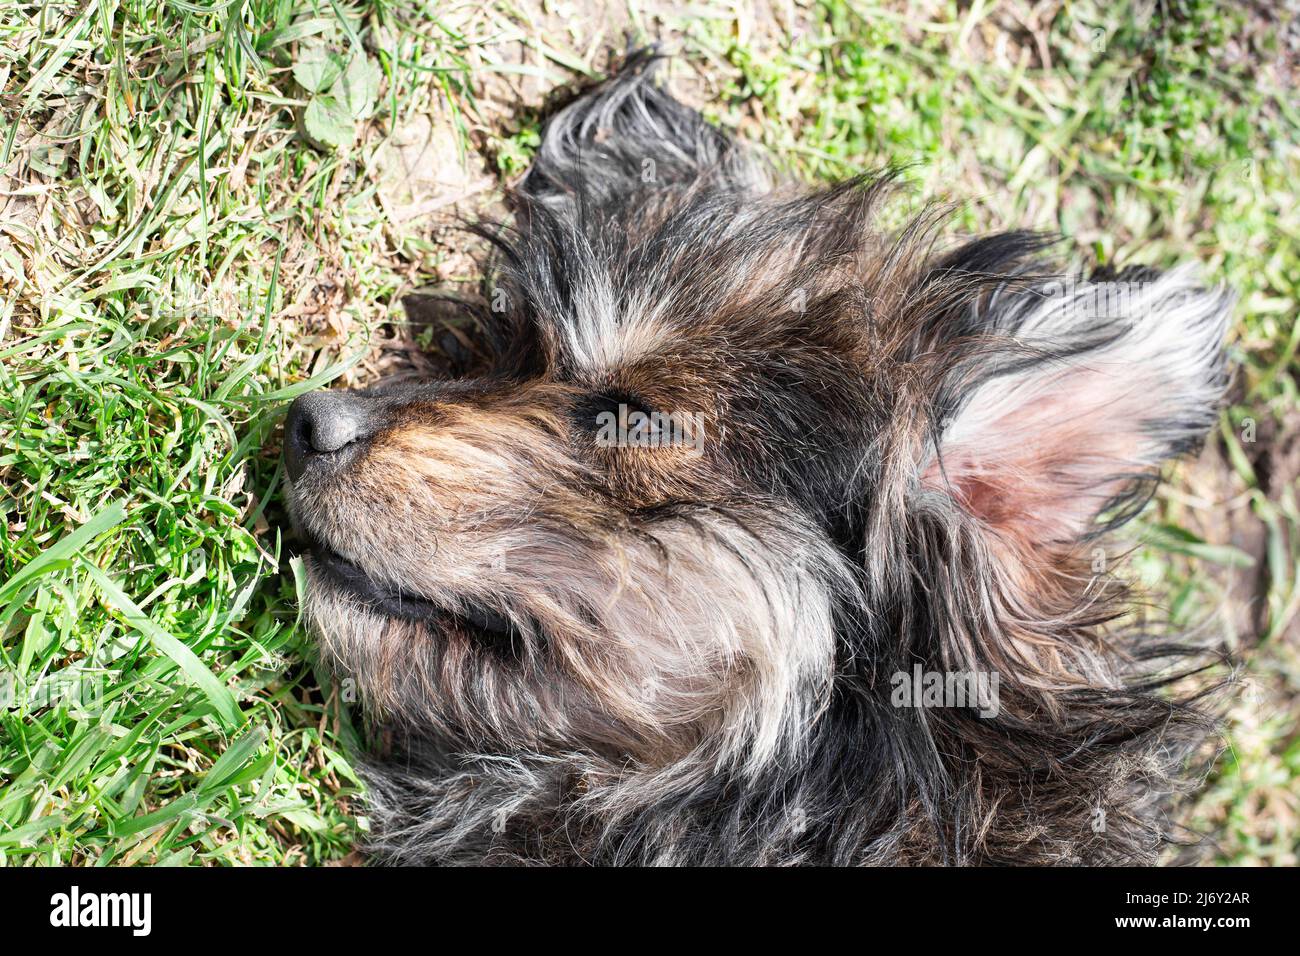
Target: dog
[765,536]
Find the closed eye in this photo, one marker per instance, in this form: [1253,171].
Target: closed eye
[593,412]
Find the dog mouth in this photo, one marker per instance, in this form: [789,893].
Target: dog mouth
[348,577]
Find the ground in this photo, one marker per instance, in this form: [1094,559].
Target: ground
[208,210]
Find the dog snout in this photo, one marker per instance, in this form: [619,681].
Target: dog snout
[320,424]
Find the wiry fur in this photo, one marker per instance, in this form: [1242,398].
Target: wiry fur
[906,455]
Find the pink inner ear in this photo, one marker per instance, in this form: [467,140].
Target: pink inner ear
[1036,461]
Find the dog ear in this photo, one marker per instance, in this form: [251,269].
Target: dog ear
[1087,387]
[628,138]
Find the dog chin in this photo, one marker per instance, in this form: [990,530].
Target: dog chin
[327,569]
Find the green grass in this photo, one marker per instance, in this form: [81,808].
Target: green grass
[198,222]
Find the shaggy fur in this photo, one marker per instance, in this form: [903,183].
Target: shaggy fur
[659,652]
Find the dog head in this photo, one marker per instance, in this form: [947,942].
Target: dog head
[738,452]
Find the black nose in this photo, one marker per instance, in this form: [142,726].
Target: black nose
[321,423]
